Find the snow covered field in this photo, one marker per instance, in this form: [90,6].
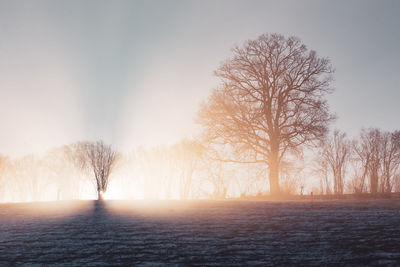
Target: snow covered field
[202,233]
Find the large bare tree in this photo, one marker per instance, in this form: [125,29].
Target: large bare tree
[271,101]
[100,159]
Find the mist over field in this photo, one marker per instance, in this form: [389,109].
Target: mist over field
[199,133]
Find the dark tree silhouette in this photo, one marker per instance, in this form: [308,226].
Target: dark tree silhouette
[336,153]
[368,151]
[390,159]
[100,159]
[379,154]
[363,154]
[270,101]
[321,169]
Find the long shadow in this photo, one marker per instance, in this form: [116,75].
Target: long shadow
[225,233]
[74,239]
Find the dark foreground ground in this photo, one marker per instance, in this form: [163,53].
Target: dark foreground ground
[228,233]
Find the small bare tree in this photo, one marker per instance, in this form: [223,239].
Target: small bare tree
[374,137]
[99,158]
[390,153]
[379,154]
[362,156]
[368,152]
[321,169]
[336,153]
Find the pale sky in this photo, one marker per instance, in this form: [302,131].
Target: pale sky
[134,72]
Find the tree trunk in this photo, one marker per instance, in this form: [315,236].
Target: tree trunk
[363,178]
[340,183]
[335,182]
[374,182]
[273,165]
[100,195]
[274,179]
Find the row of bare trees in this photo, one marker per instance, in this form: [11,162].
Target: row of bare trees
[191,170]
[60,174]
[185,170]
[181,171]
[269,109]
[372,161]
[379,155]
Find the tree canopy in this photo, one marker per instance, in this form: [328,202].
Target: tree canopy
[271,100]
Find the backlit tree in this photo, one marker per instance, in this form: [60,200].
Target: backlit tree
[270,102]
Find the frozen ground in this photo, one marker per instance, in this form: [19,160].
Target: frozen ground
[228,233]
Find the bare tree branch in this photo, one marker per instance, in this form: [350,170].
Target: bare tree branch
[270,101]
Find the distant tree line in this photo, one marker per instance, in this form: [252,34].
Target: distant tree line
[372,162]
[260,124]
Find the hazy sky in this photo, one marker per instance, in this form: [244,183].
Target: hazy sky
[134,72]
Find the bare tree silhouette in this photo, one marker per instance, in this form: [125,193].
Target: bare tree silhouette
[335,155]
[100,159]
[321,169]
[270,101]
[390,159]
[362,153]
[368,152]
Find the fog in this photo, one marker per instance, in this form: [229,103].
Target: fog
[137,74]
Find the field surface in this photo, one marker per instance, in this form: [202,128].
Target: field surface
[204,233]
